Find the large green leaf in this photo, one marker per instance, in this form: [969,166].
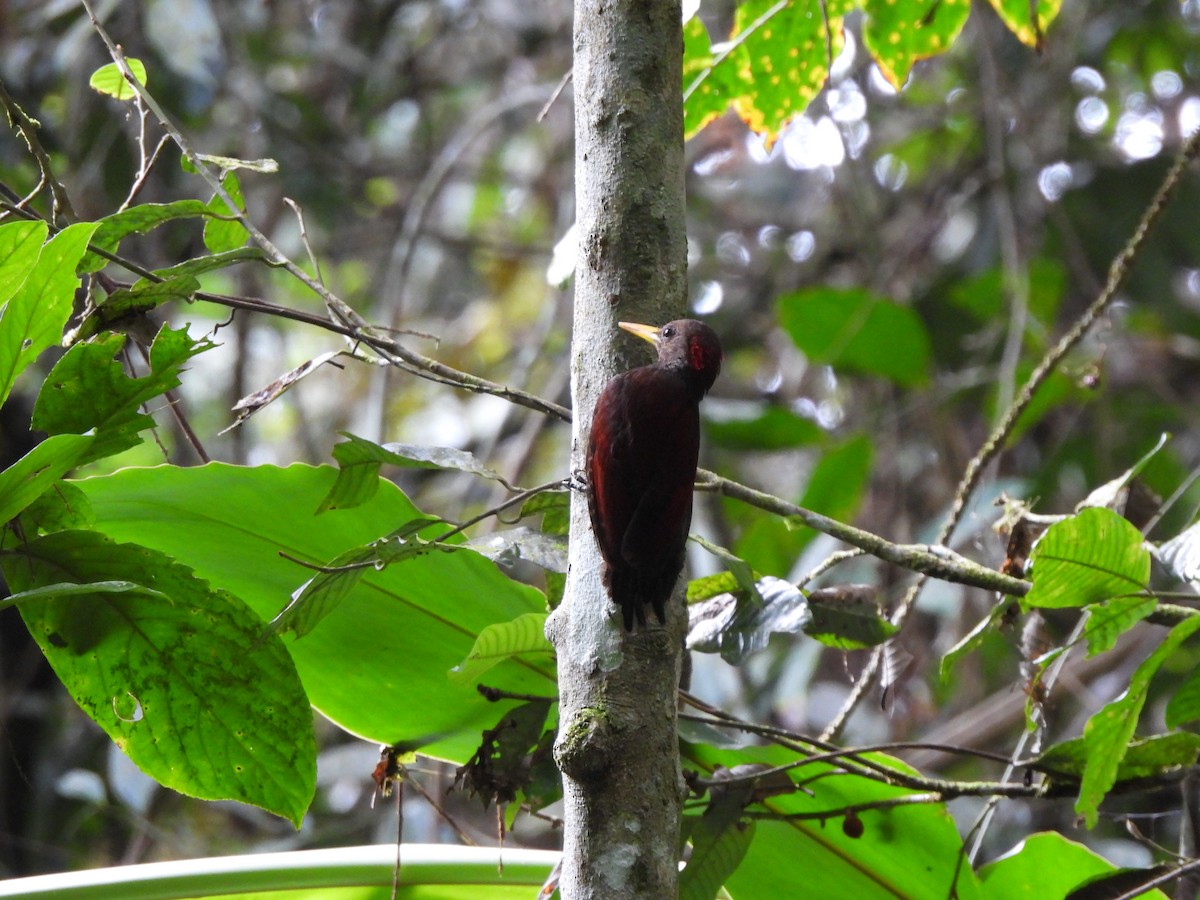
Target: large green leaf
[1044,865]
[906,851]
[376,665]
[36,315]
[857,331]
[1093,556]
[184,681]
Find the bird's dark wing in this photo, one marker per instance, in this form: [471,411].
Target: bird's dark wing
[657,530]
[611,473]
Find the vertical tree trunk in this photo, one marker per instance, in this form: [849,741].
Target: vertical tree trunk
[617,744]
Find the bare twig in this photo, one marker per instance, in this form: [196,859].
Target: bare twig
[1117,273]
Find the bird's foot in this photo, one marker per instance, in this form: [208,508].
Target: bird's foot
[578,481]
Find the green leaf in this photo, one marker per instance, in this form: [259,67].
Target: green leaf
[774,428]
[223,235]
[856,331]
[1108,732]
[718,848]
[847,619]
[745,576]
[135,220]
[361,461]
[984,296]
[89,389]
[109,80]
[1112,618]
[30,476]
[202,264]
[66,590]
[1184,705]
[496,643]
[973,638]
[1044,865]
[377,664]
[778,62]
[192,690]
[36,315]
[705,96]
[320,595]
[836,484]
[1093,556]
[61,508]
[907,851]
[709,586]
[897,34]
[128,303]
[1143,758]
[1015,14]
[20,246]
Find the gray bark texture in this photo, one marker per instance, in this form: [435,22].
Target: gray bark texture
[617,745]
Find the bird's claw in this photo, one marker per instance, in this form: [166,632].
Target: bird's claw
[578,481]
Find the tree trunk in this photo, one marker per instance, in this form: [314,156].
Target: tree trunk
[617,744]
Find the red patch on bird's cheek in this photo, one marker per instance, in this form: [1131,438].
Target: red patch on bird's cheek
[698,356]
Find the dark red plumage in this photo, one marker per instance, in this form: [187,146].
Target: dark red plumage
[641,464]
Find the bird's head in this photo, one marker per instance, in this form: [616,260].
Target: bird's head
[685,344]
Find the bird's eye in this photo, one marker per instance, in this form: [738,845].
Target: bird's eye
[668,331]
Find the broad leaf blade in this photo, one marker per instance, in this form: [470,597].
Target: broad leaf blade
[224,235]
[377,664]
[142,668]
[856,331]
[1090,557]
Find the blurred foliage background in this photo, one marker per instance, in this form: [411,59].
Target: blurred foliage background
[968,219]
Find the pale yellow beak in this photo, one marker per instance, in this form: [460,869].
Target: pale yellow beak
[651,333]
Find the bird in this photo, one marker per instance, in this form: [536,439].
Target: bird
[640,466]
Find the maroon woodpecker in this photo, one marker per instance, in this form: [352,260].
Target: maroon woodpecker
[641,464]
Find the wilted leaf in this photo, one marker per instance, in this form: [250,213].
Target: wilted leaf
[506,547]
[736,627]
[252,403]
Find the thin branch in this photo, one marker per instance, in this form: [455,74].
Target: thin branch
[517,498]
[1117,273]
[28,127]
